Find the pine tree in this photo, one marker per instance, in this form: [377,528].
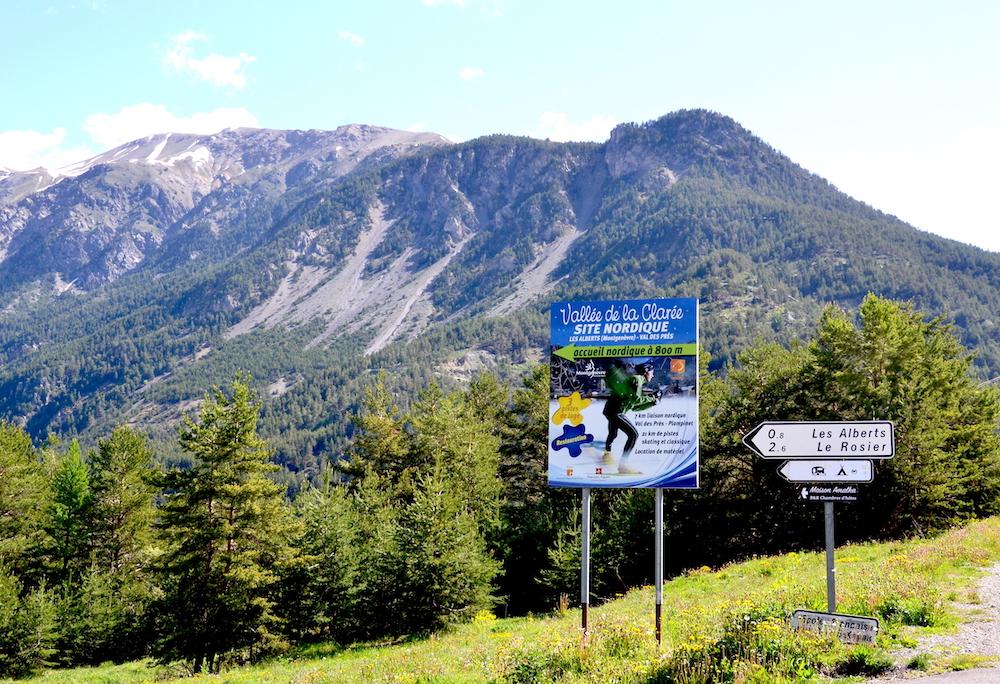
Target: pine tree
[380,440]
[114,593]
[69,512]
[321,592]
[533,515]
[444,572]
[27,627]
[122,500]
[450,442]
[427,495]
[886,363]
[23,496]
[227,531]
[894,365]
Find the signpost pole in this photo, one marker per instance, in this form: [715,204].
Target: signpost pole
[585,563]
[831,590]
[658,546]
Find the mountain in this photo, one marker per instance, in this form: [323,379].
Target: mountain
[169,194]
[314,258]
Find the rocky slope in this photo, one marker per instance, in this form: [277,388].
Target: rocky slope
[105,216]
[312,258]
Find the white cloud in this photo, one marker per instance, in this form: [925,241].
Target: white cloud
[138,121]
[555,126]
[469,73]
[352,38]
[218,70]
[25,150]
[417,127]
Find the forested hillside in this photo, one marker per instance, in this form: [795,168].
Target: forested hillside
[313,270]
[441,511]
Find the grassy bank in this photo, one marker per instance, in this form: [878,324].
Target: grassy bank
[722,625]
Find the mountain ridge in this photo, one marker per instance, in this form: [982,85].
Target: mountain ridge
[434,259]
[111,211]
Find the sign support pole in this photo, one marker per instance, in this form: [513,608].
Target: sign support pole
[658,546]
[831,591]
[585,564]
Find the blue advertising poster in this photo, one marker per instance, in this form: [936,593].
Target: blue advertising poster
[623,396]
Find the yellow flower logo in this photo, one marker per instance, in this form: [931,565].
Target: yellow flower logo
[570,408]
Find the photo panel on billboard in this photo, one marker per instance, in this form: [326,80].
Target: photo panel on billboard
[623,399]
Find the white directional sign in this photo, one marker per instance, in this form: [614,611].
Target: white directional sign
[826,471]
[823,439]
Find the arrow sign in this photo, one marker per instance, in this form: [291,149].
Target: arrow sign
[823,439]
[826,471]
[572,352]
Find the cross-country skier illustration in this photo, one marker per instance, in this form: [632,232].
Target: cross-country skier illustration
[626,395]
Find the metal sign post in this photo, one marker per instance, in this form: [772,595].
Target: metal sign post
[831,590]
[623,406]
[827,460]
[658,550]
[585,563]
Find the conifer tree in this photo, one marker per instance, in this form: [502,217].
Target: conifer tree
[69,512]
[27,615]
[27,627]
[444,572]
[227,531]
[321,592]
[427,494]
[115,591]
[23,495]
[534,516]
[886,363]
[380,440]
[894,365]
[123,507]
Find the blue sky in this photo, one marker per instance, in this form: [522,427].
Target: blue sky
[897,103]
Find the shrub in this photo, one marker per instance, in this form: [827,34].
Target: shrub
[864,661]
[27,628]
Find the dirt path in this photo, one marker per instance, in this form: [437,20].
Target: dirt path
[978,634]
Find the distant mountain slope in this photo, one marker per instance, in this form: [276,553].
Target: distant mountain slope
[312,258]
[173,194]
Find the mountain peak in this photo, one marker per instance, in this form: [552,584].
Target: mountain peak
[671,145]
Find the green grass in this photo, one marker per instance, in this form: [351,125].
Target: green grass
[966,661]
[921,661]
[728,624]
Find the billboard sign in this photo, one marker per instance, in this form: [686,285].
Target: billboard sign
[623,394]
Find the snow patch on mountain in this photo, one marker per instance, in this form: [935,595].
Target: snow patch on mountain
[62,286]
[155,154]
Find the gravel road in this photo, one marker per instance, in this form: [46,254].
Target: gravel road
[978,634]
